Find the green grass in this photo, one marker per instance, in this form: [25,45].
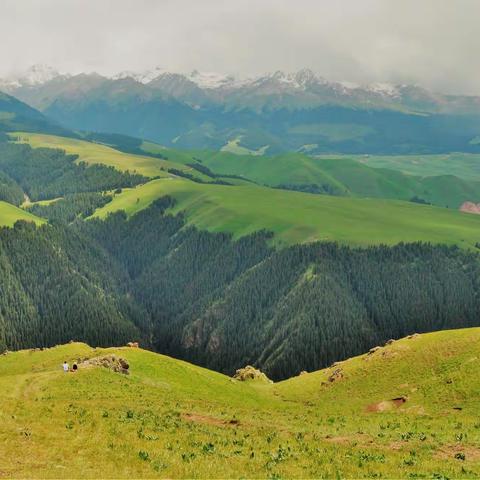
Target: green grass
[170,419]
[297,217]
[332,131]
[346,176]
[463,165]
[93,153]
[233,146]
[294,217]
[9,214]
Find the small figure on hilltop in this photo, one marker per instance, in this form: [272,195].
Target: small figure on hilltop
[66,367]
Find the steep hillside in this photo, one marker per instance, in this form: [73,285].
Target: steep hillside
[221,303]
[408,409]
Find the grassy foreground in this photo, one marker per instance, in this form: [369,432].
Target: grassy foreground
[170,419]
[298,217]
[9,214]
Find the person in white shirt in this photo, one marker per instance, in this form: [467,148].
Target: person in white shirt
[65,366]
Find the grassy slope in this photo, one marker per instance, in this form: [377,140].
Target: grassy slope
[298,217]
[294,217]
[463,165]
[9,214]
[170,419]
[91,153]
[350,176]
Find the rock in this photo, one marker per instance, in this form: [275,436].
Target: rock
[389,342]
[399,400]
[336,375]
[133,344]
[112,362]
[470,207]
[415,335]
[303,372]
[123,363]
[250,373]
[373,350]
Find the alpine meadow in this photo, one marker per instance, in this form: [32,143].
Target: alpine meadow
[239,239]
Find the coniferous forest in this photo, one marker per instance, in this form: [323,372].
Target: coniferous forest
[223,303]
[202,296]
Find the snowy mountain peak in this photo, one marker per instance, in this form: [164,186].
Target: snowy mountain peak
[301,80]
[145,76]
[38,74]
[33,76]
[384,89]
[210,80]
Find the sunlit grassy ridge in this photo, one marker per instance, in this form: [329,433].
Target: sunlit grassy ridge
[294,217]
[171,419]
[9,214]
[298,217]
[92,153]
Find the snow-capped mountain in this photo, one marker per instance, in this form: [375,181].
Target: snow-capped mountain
[282,110]
[41,85]
[33,76]
[211,80]
[145,76]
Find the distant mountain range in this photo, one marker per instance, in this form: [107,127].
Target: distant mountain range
[280,111]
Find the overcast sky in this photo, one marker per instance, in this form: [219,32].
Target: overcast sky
[435,43]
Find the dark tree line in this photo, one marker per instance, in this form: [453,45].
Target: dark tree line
[71,207]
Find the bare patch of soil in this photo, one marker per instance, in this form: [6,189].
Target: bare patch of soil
[459,452]
[357,438]
[386,405]
[196,418]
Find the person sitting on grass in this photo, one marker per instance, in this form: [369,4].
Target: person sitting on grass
[74,367]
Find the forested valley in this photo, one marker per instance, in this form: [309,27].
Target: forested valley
[218,302]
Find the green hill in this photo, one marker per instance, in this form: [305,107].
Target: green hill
[9,214]
[97,153]
[408,410]
[462,165]
[299,217]
[350,176]
[339,176]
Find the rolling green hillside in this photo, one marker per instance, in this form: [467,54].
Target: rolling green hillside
[462,165]
[352,177]
[340,176]
[410,409]
[299,217]
[293,216]
[9,214]
[95,153]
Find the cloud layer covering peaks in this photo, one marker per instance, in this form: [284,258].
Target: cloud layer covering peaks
[433,43]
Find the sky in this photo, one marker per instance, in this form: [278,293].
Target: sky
[433,43]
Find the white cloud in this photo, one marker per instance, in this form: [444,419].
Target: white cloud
[431,42]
